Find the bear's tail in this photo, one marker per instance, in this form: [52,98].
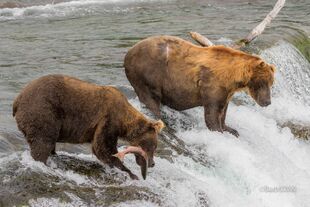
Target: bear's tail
[15,105]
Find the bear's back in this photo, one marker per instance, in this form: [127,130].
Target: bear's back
[39,91]
[67,93]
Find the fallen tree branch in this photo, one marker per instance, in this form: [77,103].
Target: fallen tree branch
[202,40]
[261,27]
[205,42]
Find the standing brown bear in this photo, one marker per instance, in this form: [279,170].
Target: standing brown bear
[181,75]
[57,108]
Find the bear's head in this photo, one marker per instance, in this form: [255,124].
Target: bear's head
[260,82]
[148,142]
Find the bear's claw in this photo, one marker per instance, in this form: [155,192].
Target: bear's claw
[133,176]
[232,131]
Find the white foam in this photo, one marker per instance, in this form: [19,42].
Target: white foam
[136,203]
[264,155]
[293,76]
[80,7]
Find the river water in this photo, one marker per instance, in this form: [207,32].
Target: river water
[267,166]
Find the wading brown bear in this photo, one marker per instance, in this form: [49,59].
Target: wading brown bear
[57,108]
[181,75]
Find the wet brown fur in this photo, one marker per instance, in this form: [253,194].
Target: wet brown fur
[177,73]
[57,108]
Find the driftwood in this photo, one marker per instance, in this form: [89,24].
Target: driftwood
[204,41]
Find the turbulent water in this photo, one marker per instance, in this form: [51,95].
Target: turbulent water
[267,166]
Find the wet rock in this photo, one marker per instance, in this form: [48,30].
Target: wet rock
[172,146]
[116,194]
[87,168]
[27,185]
[103,186]
[202,199]
[299,131]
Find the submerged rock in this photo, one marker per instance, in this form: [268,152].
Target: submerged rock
[298,130]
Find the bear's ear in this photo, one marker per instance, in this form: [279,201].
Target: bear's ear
[158,126]
[273,68]
[262,64]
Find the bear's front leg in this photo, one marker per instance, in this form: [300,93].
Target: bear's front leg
[115,162]
[214,99]
[104,146]
[106,156]
[213,117]
[225,127]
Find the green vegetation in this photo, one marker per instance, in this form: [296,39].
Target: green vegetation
[302,42]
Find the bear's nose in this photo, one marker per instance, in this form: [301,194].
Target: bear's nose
[266,103]
[152,164]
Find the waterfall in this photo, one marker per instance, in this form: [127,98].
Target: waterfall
[266,166]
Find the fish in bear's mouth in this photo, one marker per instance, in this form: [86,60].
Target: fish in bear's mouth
[137,151]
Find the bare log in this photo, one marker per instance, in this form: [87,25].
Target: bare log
[260,28]
[202,40]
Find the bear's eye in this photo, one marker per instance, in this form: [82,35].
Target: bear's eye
[258,84]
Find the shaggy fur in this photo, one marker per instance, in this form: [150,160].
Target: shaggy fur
[57,108]
[181,75]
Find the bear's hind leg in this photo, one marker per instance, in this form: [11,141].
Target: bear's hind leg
[40,125]
[53,152]
[153,104]
[150,99]
[42,135]
[147,95]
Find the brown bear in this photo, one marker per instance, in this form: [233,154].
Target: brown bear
[181,75]
[58,108]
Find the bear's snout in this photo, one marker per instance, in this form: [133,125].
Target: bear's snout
[151,163]
[264,99]
[265,103]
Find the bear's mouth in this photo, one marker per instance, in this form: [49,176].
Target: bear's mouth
[139,152]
